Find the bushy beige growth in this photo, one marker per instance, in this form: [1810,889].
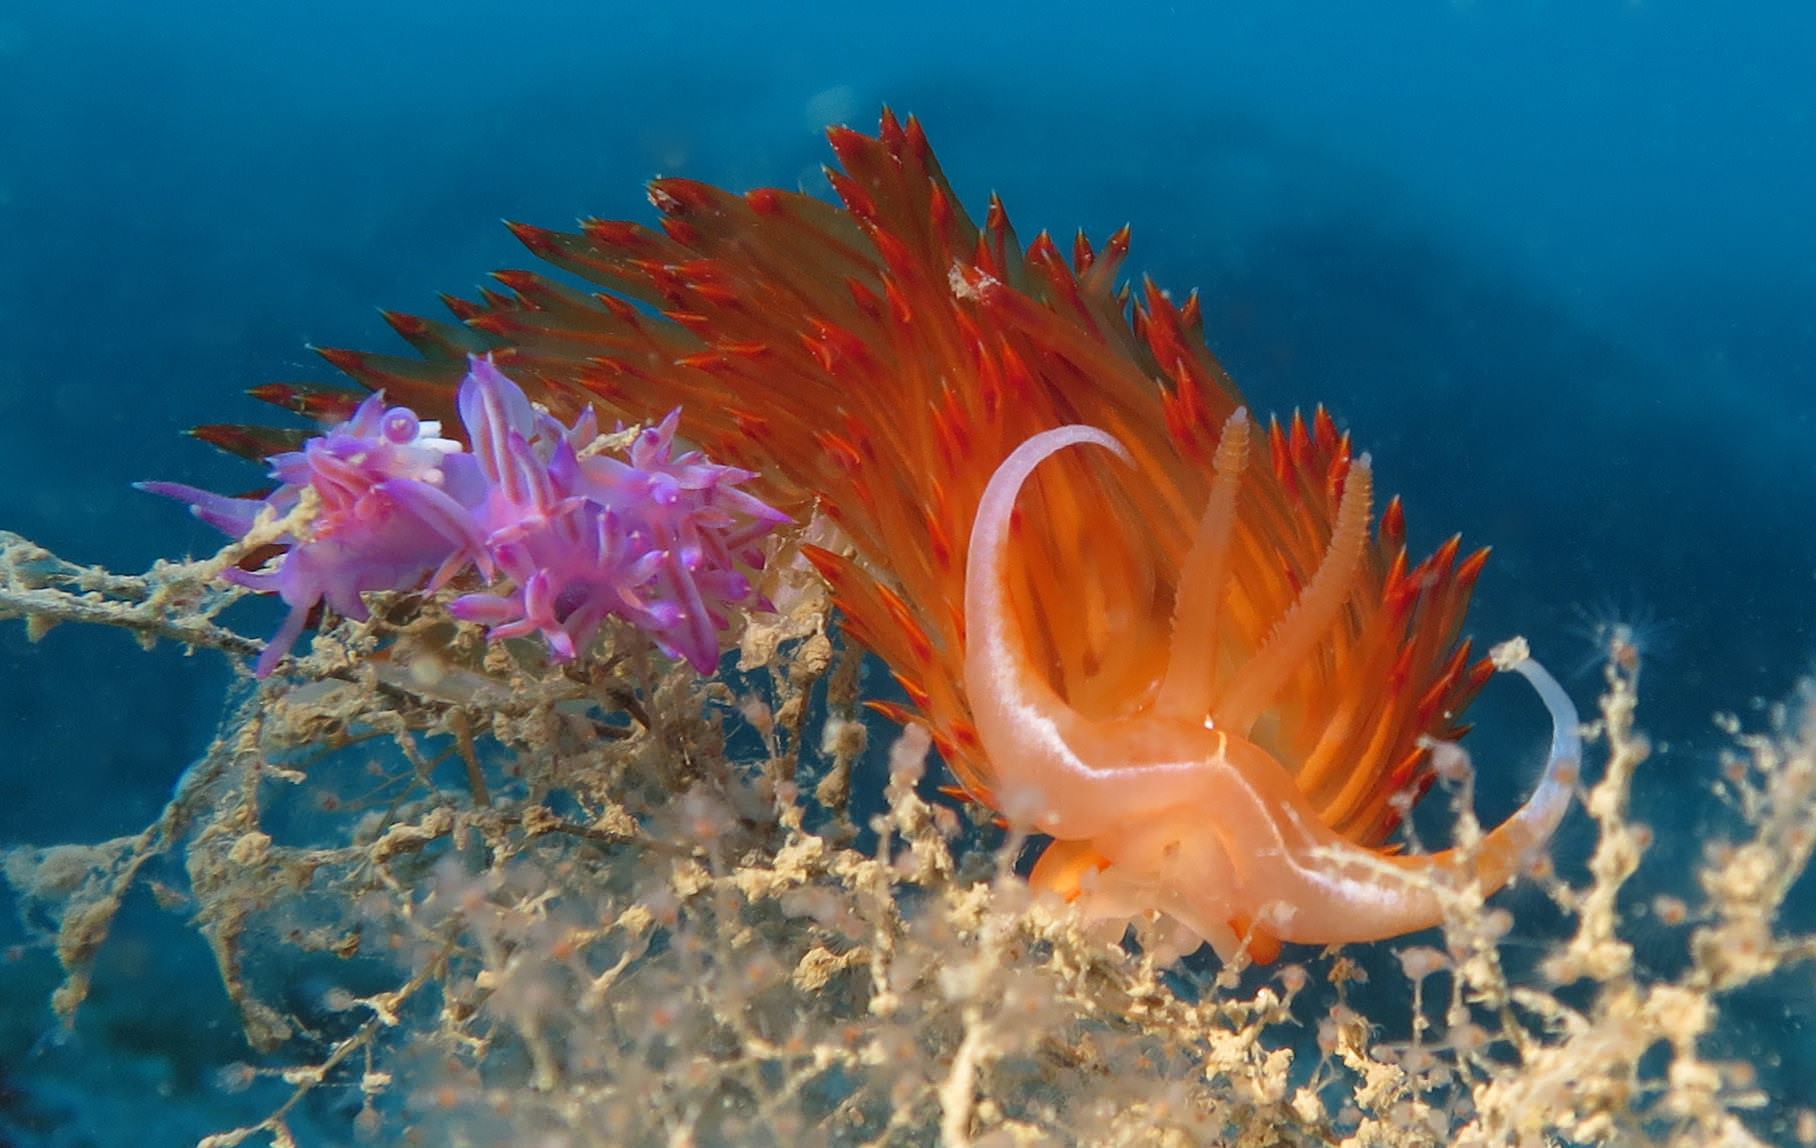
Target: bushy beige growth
[616,904]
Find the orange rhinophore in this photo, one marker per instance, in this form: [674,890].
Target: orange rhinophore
[1178,647]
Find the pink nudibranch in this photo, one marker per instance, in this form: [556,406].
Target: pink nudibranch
[1175,812]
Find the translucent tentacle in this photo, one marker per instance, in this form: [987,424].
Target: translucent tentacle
[1317,607]
[1185,691]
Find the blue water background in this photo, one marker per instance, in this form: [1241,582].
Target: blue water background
[1553,263]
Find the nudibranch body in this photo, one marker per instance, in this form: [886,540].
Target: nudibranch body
[1172,811]
[1215,625]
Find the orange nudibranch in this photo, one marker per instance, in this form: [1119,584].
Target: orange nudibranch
[1213,674]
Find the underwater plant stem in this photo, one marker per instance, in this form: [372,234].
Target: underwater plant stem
[384,1008]
[43,608]
[476,777]
[958,1095]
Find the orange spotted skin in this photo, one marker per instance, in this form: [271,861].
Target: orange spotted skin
[878,360]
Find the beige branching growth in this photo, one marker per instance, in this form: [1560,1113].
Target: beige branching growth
[174,600]
[613,904]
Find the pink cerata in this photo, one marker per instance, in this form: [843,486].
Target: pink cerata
[1183,643]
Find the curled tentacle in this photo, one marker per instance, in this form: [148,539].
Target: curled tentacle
[1158,813]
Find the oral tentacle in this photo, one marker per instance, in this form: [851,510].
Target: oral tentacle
[1367,896]
[1514,841]
[1508,846]
[1020,719]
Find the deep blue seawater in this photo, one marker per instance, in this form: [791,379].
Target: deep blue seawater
[1553,263]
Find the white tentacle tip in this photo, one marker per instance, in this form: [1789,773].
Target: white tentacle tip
[1510,653]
